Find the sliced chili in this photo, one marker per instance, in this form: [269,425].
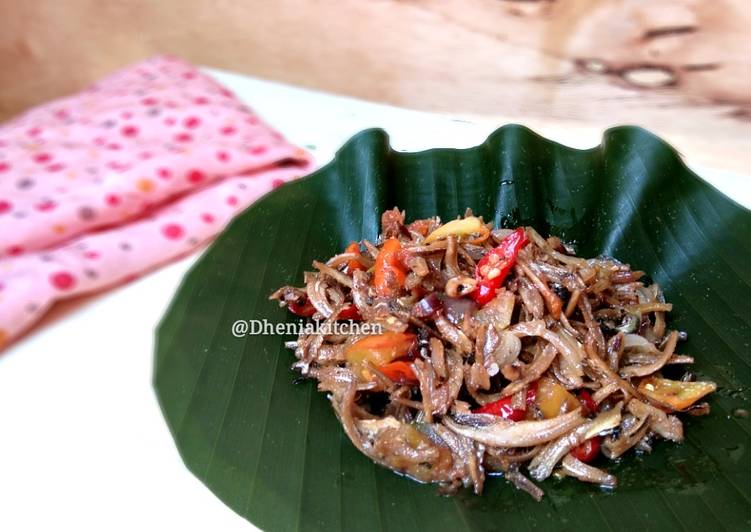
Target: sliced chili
[389,274]
[502,408]
[495,266]
[354,264]
[587,451]
[399,372]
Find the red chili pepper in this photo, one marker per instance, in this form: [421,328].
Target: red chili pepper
[389,274]
[587,451]
[587,402]
[304,309]
[400,372]
[485,291]
[349,312]
[503,409]
[354,264]
[493,268]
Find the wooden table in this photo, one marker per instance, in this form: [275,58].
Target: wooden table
[681,68]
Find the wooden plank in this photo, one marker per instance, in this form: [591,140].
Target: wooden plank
[681,68]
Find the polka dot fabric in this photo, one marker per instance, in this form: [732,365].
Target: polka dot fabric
[137,170]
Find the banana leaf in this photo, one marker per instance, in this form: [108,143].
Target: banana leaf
[273,451]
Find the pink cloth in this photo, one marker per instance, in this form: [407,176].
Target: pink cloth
[136,171]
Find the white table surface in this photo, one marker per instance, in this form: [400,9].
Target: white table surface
[83,445]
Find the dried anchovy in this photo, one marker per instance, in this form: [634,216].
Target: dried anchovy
[573,323]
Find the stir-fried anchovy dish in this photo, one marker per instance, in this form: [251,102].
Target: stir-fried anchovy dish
[497,351]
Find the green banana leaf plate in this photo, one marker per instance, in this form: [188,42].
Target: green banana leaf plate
[273,450]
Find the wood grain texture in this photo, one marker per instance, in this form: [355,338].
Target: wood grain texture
[681,68]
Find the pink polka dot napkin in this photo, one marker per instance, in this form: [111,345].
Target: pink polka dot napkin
[135,171]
